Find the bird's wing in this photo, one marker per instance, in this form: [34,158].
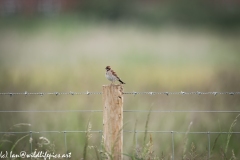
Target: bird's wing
[115,74]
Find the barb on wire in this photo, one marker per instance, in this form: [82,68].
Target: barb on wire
[133,93]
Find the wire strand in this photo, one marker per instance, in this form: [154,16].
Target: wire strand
[125,131]
[133,93]
[141,111]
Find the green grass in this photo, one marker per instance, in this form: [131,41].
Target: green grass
[71,54]
[139,151]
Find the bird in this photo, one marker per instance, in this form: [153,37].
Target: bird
[112,76]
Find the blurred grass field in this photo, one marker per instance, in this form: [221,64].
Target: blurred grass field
[62,55]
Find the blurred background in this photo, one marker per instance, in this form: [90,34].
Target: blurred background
[159,46]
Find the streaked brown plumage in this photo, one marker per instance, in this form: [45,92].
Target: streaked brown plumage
[111,75]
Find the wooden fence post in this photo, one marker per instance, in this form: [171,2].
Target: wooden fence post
[113,120]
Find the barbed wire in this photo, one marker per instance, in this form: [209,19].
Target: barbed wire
[133,93]
[127,111]
[50,93]
[208,133]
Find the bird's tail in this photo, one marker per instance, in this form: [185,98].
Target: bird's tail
[121,81]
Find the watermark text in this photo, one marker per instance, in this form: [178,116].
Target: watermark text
[35,154]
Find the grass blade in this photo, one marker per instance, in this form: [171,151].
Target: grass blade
[230,134]
[19,141]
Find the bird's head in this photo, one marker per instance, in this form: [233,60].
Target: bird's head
[108,68]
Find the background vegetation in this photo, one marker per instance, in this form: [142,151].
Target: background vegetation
[152,46]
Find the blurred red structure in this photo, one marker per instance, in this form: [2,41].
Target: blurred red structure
[31,7]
